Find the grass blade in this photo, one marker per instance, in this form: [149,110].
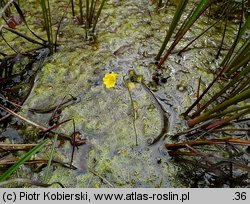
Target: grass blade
[50,157]
[243,73]
[24,158]
[200,9]
[47,22]
[238,98]
[98,15]
[179,11]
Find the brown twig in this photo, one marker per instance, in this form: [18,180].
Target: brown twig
[22,118]
[16,147]
[43,129]
[101,177]
[208,142]
[31,182]
[36,161]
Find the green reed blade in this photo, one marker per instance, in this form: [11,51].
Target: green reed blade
[243,86]
[50,157]
[231,101]
[200,9]
[179,11]
[91,11]
[81,12]
[240,59]
[226,120]
[241,52]
[232,48]
[47,22]
[98,15]
[236,79]
[87,14]
[226,112]
[24,158]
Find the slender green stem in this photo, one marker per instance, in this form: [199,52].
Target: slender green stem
[201,8]
[87,14]
[72,8]
[179,11]
[47,21]
[240,54]
[59,24]
[134,112]
[223,121]
[81,12]
[223,37]
[24,158]
[238,98]
[50,28]
[50,158]
[239,35]
[241,59]
[237,78]
[225,112]
[98,15]
[243,86]
[91,11]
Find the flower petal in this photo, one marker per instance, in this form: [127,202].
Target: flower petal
[110,79]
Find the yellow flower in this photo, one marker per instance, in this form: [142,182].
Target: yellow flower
[110,79]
